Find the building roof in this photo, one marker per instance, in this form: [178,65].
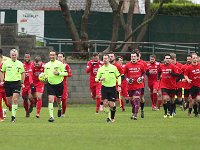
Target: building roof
[97,5]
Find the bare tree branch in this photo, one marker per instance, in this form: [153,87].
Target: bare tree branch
[145,22]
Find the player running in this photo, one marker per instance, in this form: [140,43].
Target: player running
[95,87]
[61,57]
[134,71]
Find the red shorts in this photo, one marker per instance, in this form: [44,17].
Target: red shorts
[95,89]
[39,87]
[26,90]
[65,91]
[153,85]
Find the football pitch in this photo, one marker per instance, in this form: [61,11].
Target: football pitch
[82,129]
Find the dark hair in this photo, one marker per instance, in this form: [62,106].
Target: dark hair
[61,54]
[153,55]
[37,59]
[28,53]
[119,57]
[134,52]
[167,55]
[95,54]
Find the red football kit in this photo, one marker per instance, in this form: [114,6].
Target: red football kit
[186,85]
[168,81]
[95,87]
[134,71]
[65,88]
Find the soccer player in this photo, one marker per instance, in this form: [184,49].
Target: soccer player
[28,85]
[142,100]
[187,86]
[95,87]
[37,69]
[55,70]
[121,71]
[192,75]
[134,72]
[168,74]
[152,73]
[61,57]
[179,81]
[108,75]
[2,94]
[124,84]
[14,80]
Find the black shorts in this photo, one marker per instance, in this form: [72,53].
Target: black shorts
[186,93]
[194,91]
[170,92]
[12,87]
[56,90]
[108,93]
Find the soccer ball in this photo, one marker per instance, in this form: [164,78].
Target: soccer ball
[42,77]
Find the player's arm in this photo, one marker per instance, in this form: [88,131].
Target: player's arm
[186,74]
[69,71]
[98,76]
[89,67]
[63,71]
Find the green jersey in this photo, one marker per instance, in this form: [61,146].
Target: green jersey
[110,74]
[13,70]
[52,66]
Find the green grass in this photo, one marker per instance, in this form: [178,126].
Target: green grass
[82,129]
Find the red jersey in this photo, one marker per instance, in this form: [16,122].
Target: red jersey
[186,85]
[69,71]
[92,68]
[152,68]
[28,73]
[179,83]
[168,81]
[119,68]
[143,62]
[36,70]
[1,85]
[134,71]
[193,73]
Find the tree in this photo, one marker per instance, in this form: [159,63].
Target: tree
[81,41]
[127,26]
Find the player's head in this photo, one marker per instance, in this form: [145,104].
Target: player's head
[38,61]
[112,56]
[173,57]
[189,59]
[134,57]
[14,54]
[27,57]
[95,56]
[106,59]
[152,58]
[167,59]
[194,58]
[52,55]
[61,57]
[119,59]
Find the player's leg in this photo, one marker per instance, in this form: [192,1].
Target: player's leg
[38,103]
[112,104]
[172,102]
[165,101]
[64,99]
[142,101]
[51,97]
[136,101]
[59,92]
[98,96]
[1,109]
[25,101]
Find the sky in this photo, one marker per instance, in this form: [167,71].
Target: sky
[196,1]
